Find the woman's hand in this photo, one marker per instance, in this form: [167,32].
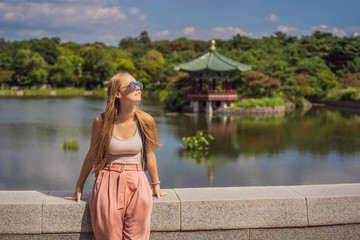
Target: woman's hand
[77,195]
[157,192]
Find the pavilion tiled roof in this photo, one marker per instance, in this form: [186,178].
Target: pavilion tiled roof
[212,65]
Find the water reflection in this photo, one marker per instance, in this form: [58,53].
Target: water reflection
[313,147]
[318,134]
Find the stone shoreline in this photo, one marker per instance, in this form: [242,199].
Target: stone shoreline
[260,111]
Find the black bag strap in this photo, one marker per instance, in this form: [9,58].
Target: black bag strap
[143,138]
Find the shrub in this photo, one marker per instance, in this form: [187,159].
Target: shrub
[162,94]
[198,142]
[71,145]
[349,94]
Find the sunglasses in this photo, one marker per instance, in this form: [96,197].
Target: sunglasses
[133,85]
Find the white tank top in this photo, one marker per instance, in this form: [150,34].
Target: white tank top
[127,150]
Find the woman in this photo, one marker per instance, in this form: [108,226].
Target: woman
[121,202]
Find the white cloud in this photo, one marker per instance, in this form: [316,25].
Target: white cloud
[227,33]
[162,33]
[109,37]
[286,29]
[142,17]
[80,21]
[208,34]
[57,14]
[272,18]
[189,31]
[9,16]
[37,33]
[324,28]
[352,30]
[108,15]
[134,11]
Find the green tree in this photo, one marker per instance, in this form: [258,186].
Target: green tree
[123,65]
[257,84]
[77,63]
[128,42]
[152,63]
[20,66]
[5,77]
[312,65]
[62,73]
[97,66]
[47,48]
[37,67]
[30,68]
[327,80]
[144,38]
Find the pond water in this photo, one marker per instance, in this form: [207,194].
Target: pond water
[318,146]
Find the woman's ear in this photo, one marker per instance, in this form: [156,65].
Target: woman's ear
[118,95]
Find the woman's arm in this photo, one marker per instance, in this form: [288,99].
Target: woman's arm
[152,168]
[89,159]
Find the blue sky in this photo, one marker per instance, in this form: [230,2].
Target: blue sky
[110,20]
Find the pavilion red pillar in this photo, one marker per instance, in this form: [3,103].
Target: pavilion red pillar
[224,85]
[209,85]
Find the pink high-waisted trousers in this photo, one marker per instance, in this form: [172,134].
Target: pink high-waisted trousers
[121,203]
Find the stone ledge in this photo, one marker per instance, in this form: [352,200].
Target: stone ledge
[245,207]
[21,211]
[193,212]
[165,215]
[331,204]
[62,216]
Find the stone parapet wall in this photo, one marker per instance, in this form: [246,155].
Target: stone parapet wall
[272,212]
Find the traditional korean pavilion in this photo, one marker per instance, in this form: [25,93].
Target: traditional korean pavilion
[211,66]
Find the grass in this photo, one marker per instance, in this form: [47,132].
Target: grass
[46,92]
[70,145]
[7,92]
[37,92]
[260,102]
[70,92]
[99,92]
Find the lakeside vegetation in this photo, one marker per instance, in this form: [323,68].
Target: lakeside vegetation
[259,102]
[347,94]
[70,145]
[287,67]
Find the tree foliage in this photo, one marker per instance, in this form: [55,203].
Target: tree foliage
[309,66]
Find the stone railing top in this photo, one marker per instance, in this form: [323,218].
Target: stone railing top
[187,209]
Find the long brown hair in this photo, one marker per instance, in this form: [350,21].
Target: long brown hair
[113,105]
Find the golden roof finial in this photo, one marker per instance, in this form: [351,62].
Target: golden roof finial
[213,45]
